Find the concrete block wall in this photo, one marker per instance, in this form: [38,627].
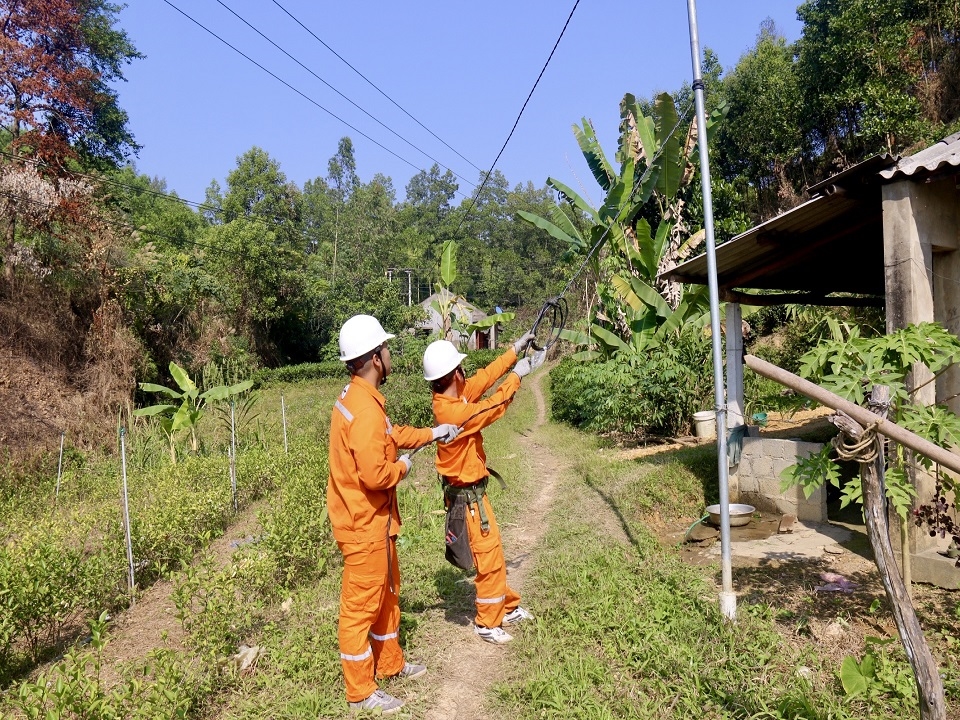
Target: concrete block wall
[759,481]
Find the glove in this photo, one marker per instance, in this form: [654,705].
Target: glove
[523,343]
[522,368]
[446,432]
[405,459]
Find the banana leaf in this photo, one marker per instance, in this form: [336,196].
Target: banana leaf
[151,387]
[183,380]
[650,297]
[554,231]
[448,263]
[152,410]
[594,155]
[609,339]
[573,198]
[670,163]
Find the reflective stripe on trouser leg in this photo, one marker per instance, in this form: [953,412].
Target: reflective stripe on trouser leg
[366,605]
[387,655]
[493,593]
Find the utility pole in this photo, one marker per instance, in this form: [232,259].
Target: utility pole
[409,286]
[728,599]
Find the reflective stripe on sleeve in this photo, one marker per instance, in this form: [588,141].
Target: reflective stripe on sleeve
[346,413]
[491,601]
[357,658]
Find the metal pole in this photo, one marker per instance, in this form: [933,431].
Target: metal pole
[409,288]
[728,600]
[60,465]
[283,414]
[126,514]
[233,456]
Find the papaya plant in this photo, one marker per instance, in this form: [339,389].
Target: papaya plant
[849,365]
[636,309]
[185,416]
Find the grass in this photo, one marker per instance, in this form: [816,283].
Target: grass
[624,629]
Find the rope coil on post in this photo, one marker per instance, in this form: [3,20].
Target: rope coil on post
[865,450]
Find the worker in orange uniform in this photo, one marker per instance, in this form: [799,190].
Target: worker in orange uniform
[462,466]
[362,505]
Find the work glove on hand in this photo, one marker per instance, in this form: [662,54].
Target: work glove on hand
[446,432]
[405,459]
[523,343]
[522,368]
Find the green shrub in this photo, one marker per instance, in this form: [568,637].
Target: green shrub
[300,373]
[653,394]
[409,400]
[296,534]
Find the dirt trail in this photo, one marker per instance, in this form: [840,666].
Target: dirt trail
[151,622]
[465,667]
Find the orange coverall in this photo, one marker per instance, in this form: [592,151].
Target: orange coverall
[362,505]
[463,462]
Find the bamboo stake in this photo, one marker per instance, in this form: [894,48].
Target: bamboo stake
[283,414]
[126,515]
[56,495]
[233,457]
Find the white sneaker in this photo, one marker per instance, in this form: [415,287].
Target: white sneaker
[517,616]
[387,704]
[496,635]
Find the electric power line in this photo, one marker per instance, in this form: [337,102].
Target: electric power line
[473,200]
[291,87]
[375,119]
[374,86]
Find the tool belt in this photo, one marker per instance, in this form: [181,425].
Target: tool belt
[470,495]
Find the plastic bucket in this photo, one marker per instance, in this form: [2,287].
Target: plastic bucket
[705,423]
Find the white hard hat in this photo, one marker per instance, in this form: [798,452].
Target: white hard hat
[440,358]
[359,335]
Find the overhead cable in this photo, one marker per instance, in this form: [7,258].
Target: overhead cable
[473,200]
[369,115]
[291,87]
[375,87]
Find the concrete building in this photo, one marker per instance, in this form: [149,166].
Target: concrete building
[887,230]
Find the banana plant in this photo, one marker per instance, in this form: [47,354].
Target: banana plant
[637,309]
[173,418]
[447,301]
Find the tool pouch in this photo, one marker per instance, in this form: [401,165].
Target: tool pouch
[457,540]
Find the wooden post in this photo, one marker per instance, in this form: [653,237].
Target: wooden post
[929,686]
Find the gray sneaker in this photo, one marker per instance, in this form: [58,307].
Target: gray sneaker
[517,616]
[386,704]
[411,671]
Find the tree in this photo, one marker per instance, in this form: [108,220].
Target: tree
[57,60]
[761,141]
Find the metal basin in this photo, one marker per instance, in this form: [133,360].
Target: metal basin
[740,514]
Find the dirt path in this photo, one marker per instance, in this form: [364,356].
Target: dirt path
[152,622]
[467,666]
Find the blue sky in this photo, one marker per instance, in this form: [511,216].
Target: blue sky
[462,69]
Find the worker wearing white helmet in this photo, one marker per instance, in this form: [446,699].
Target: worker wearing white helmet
[362,506]
[462,465]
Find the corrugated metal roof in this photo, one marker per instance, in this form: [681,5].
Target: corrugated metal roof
[831,243]
[929,160]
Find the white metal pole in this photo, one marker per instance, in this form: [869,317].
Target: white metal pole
[60,465]
[233,456]
[283,414]
[728,600]
[126,513]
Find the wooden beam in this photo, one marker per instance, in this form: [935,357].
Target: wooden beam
[818,299]
[861,415]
